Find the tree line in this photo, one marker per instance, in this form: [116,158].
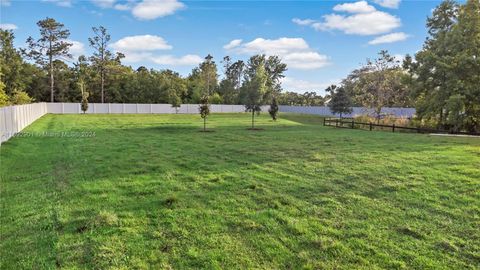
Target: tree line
[441,80]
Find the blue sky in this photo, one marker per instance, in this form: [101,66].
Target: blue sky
[321,41]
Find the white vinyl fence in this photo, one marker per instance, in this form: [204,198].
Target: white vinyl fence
[15,118]
[325,111]
[95,108]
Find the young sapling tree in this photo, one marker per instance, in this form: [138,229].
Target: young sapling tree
[204,109]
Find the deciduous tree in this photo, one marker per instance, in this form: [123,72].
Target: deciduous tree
[204,110]
[254,91]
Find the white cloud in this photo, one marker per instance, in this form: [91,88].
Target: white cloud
[306,60]
[61,3]
[389,38]
[388,3]
[143,48]
[186,60]
[301,86]
[303,22]
[5,3]
[8,26]
[273,46]
[373,23]
[77,48]
[167,60]
[357,7]
[363,19]
[152,9]
[135,57]
[232,44]
[295,52]
[141,43]
[122,7]
[104,3]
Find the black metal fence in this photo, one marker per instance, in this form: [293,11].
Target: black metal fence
[343,123]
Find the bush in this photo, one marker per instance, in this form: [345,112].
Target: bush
[4,101]
[20,97]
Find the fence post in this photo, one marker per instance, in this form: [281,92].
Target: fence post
[393,128]
[336,122]
[370,126]
[324,121]
[353,124]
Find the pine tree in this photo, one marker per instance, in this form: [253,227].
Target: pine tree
[340,101]
[102,56]
[52,45]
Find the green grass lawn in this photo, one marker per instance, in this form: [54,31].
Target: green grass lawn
[152,192]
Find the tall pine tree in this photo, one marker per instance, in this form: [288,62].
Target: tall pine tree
[52,45]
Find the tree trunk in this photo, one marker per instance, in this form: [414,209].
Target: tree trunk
[440,122]
[253,119]
[205,124]
[102,75]
[51,71]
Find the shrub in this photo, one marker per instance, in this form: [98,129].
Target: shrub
[84,104]
[273,111]
[20,97]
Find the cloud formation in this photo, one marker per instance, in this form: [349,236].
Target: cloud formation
[186,60]
[152,9]
[77,49]
[8,26]
[357,7]
[303,22]
[142,10]
[141,43]
[144,48]
[104,3]
[389,38]
[362,19]
[301,86]
[388,3]
[295,52]
[60,3]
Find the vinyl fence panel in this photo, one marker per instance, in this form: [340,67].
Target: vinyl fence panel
[14,119]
